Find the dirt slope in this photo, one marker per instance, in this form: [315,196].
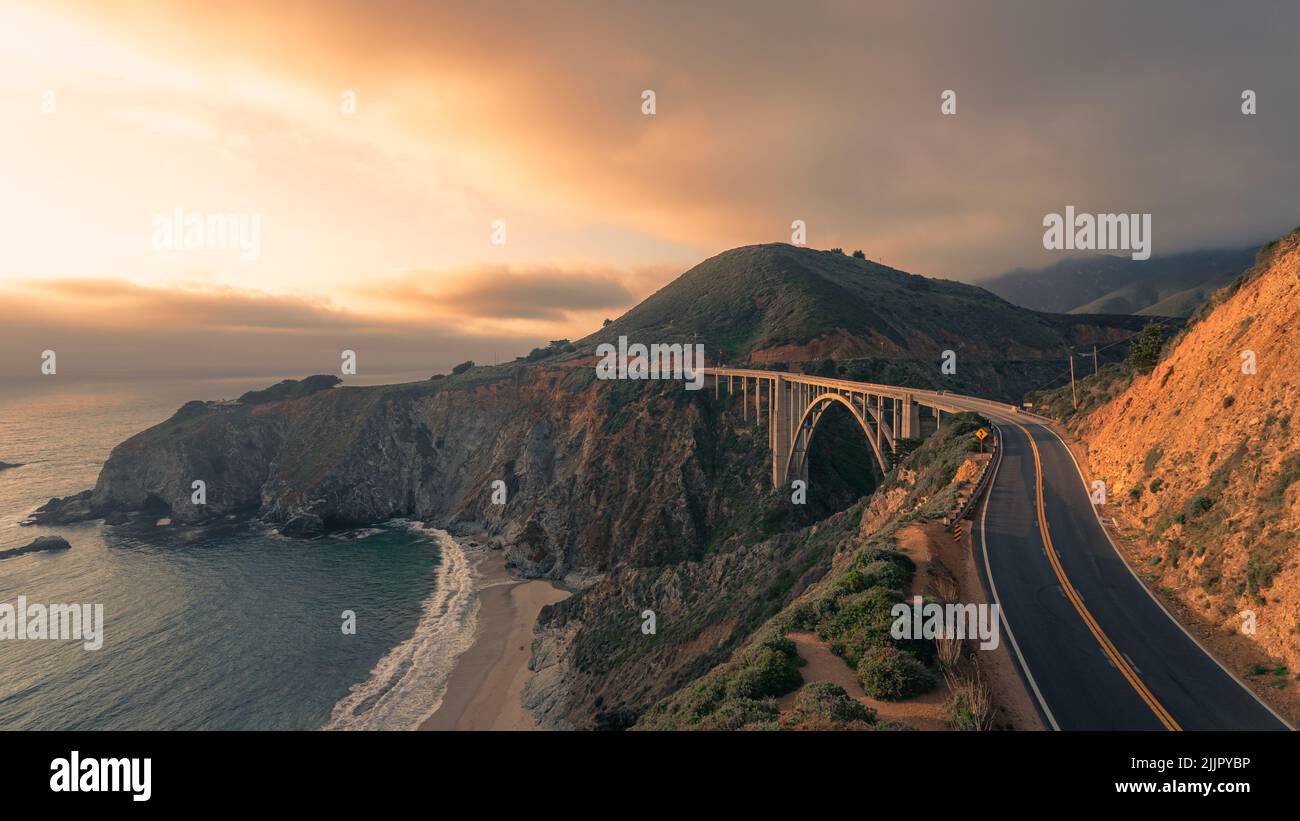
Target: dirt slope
[1204,458]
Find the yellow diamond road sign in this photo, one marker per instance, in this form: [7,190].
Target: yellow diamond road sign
[981,434]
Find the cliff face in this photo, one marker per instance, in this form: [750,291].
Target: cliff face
[1205,457]
[595,472]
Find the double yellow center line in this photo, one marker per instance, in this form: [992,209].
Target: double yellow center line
[1107,646]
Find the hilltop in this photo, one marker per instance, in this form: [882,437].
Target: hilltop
[1173,285]
[778,305]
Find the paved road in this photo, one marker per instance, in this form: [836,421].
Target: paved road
[1098,651]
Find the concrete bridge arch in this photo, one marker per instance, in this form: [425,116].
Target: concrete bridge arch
[796,459]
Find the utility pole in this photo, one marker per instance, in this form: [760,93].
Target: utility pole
[1074,397]
[1094,360]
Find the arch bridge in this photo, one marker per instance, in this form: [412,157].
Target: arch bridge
[794,403]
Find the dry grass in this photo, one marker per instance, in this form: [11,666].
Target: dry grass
[970,707]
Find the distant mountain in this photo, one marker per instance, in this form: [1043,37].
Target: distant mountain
[1173,285]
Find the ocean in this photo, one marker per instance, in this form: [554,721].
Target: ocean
[226,627]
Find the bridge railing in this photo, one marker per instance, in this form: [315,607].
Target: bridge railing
[937,399]
[985,479]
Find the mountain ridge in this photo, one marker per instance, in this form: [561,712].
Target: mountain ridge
[1167,285]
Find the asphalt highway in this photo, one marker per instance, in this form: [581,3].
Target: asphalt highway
[1096,648]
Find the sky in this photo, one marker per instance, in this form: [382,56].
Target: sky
[432,182]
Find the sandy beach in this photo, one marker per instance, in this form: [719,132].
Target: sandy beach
[484,690]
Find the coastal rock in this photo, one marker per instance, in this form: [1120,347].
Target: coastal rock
[303,526]
[39,544]
[67,510]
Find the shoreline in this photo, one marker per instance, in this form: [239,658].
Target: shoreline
[486,684]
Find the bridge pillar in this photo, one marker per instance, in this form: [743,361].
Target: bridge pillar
[911,418]
[780,412]
[893,404]
[880,418]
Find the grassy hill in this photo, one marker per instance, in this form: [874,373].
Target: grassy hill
[778,305]
[1173,285]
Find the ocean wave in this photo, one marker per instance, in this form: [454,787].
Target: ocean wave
[409,682]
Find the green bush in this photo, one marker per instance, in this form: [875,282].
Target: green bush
[1145,352]
[822,702]
[765,672]
[886,672]
[881,573]
[740,713]
[802,616]
[868,610]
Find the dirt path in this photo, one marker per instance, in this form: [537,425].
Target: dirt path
[921,712]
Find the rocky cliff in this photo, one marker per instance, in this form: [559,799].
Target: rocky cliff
[595,473]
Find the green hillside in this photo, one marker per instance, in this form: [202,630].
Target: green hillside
[780,303]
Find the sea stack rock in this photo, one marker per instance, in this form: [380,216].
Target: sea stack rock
[39,544]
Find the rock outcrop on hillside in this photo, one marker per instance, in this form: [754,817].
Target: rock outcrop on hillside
[1204,454]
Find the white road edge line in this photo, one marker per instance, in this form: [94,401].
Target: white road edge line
[993,588]
[1084,480]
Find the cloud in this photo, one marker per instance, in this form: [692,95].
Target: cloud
[827,113]
[503,292]
[118,303]
[117,329]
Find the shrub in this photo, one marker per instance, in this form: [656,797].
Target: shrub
[886,672]
[868,610]
[740,713]
[462,367]
[765,672]
[822,703]
[802,616]
[882,573]
[970,707]
[1145,352]
[1198,505]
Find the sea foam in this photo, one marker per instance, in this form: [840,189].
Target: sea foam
[409,682]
